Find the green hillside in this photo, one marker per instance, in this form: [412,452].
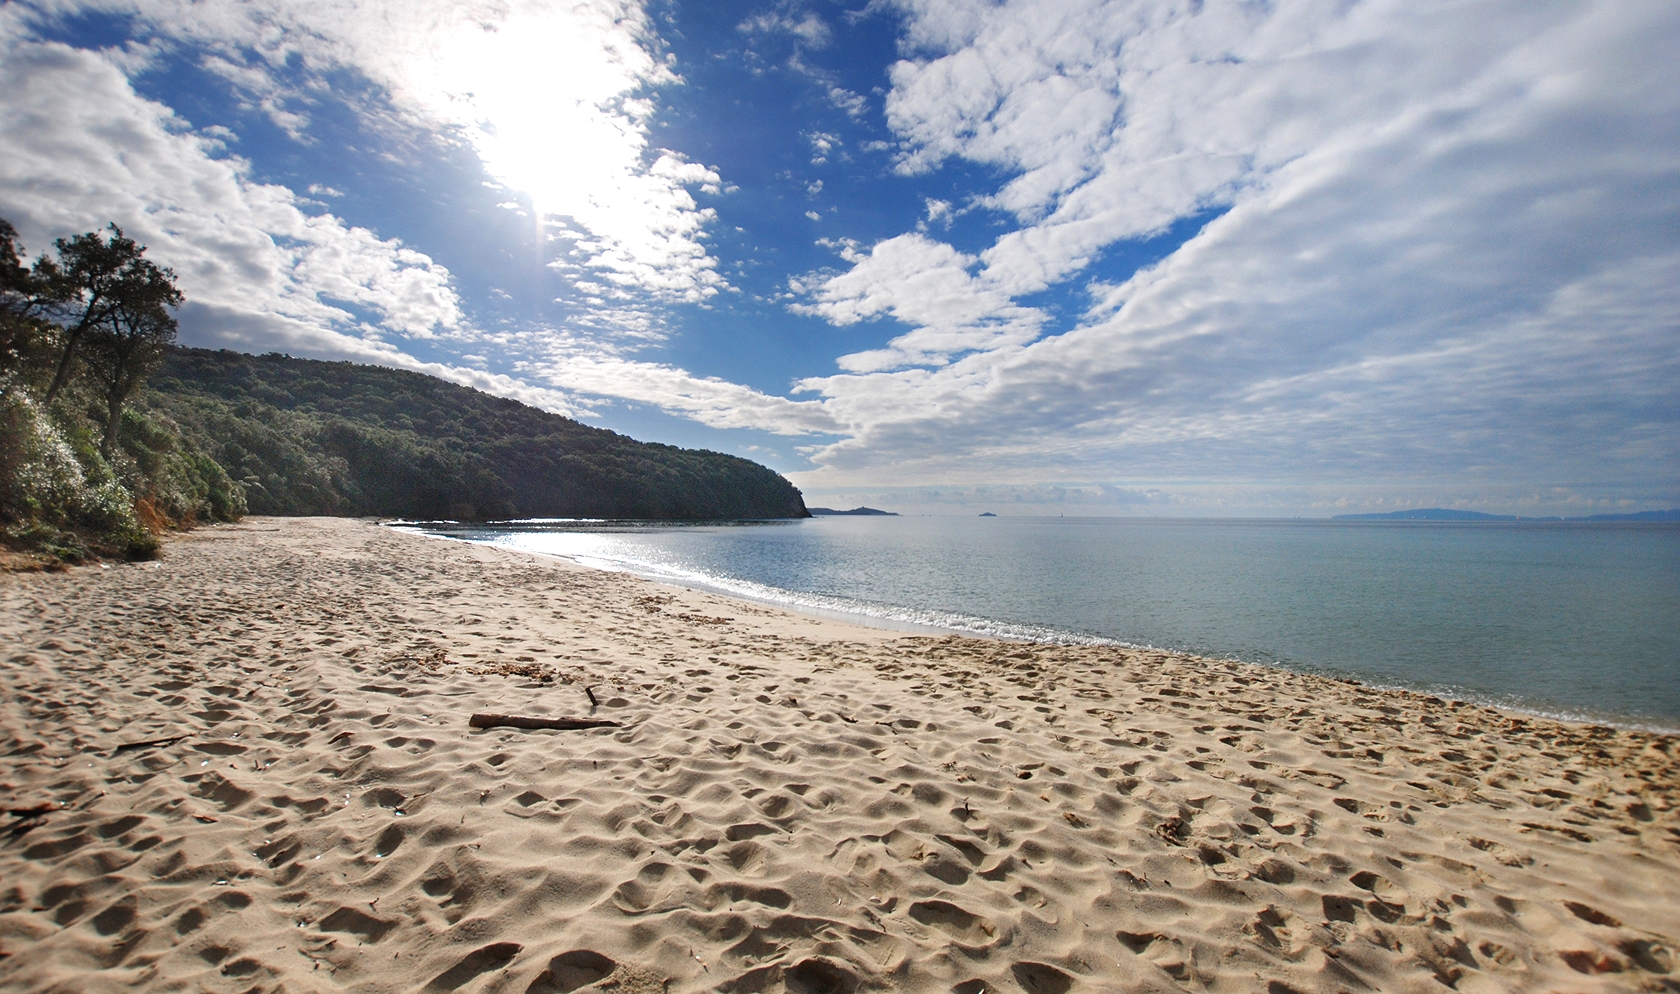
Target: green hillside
[307,437]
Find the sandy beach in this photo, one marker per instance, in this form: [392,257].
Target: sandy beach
[248,767]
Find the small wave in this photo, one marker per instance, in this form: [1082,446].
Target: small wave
[845,607]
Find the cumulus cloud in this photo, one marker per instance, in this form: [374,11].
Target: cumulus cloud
[822,143]
[83,149]
[855,105]
[1448,248]
[259,273]
[555,99]
[926,284]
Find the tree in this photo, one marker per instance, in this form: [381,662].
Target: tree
[121,354]
[20,299]
[92,282]
[15,284]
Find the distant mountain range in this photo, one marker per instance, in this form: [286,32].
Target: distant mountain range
[1442,514]
[823,512]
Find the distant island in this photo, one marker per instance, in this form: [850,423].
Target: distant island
[1443,514]
[826,512]
[987,514]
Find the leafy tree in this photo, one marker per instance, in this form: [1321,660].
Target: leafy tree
[121,354]
[15,282]
[20,299]
[94,280]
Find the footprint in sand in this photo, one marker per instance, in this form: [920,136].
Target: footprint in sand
[651,882]
[480,961]
[1041,978]
[569,971]
[968,929]
[350,920]
[819,976]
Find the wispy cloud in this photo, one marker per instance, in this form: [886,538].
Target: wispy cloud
[804,25]
[1418,205]
[1435,242]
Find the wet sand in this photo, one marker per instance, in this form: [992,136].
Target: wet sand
[791,804]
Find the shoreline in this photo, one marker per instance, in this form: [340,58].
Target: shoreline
[1463,695]
[249,765]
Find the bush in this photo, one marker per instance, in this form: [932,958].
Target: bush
[179,484]
[50,501]
[40,477]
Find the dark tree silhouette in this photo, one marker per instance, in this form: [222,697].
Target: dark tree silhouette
[91,282]
[121,354]
[20,301]
[15,283]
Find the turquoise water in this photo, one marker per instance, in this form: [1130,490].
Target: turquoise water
[1572,620]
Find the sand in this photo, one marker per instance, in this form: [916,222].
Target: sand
[791,804]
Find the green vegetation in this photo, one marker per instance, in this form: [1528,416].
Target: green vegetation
[110,435]
[81,471]
[307,437]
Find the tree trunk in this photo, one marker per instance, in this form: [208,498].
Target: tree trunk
[63,374]
[113,424]
[71,337]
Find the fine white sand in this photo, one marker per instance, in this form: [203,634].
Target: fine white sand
[792,804]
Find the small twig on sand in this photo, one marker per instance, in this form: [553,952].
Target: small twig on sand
[149,743]
[592,701]
[37,811]
[517,721]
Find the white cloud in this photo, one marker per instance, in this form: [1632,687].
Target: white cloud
[809,28]
[927,285]
[822,143]
[83,150]
[1450,251]
[711,401]
[553,98]
[855,105]
[1116,119]
[258,273]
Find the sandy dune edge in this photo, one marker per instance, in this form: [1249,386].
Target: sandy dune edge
[794,804]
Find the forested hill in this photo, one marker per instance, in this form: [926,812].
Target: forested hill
[308,437]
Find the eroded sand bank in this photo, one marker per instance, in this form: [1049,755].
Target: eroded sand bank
[793,804]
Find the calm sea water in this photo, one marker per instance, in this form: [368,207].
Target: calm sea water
[1580,621]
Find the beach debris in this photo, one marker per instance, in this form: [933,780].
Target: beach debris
[30,818]
[148,744]
[35,811]
[524,666]
[590,690]
[519,721]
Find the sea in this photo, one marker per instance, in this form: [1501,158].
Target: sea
[1572,620]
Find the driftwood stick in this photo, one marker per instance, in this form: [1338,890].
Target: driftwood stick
[127,746]
[518,721]
[37,811]
[592,701]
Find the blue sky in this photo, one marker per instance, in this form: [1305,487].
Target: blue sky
[1192,257]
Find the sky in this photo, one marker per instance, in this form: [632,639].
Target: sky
[1154,257]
